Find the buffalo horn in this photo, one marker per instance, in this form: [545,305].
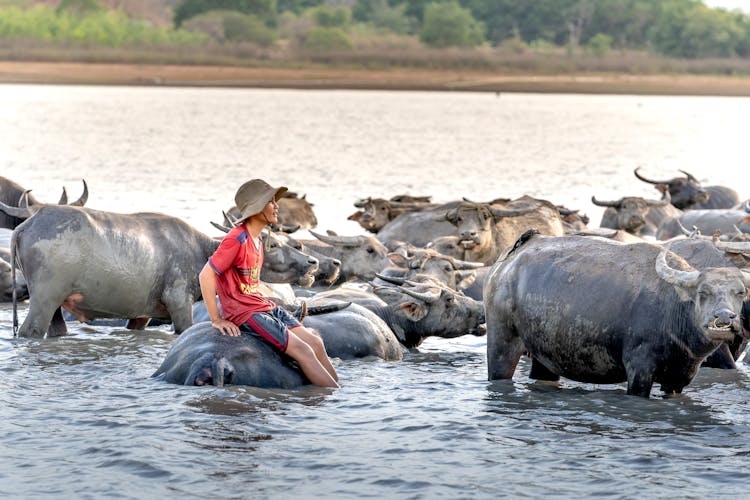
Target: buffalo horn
[361,203]
[21,213]
[464,265]
[395,280]
[346,241]
[683,279]
[639,176]
[689,176]
[64,197]
[84,196]
[429,297]
[498,213]
[613,204]
[566,211]
[221,227]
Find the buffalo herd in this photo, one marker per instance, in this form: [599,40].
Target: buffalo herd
[658,290]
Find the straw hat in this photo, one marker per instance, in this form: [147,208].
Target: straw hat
[253,196]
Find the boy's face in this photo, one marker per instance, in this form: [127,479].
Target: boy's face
[271,211]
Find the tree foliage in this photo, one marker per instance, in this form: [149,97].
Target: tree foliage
[450,25]
[263,9]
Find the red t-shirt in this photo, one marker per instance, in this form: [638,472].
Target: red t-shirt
[237,264]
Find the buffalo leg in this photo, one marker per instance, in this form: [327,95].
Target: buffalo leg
[41,310]
[640,383]
[57,327]
[504,349]
[137,323]
[541,372]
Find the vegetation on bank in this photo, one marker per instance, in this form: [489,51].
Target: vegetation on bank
[543,36]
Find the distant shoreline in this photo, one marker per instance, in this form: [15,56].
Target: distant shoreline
[387,79]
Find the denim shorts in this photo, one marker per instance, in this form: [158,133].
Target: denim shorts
[271,326]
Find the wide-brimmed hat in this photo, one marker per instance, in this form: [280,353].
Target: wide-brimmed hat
[253,196]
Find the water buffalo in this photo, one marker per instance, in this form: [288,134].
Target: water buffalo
[12,196]
[102,265]
[604,312]
[631,213]
[727,221]
[360,256]
[419,227]
[410,261]
[485,231]
[375,213]
[418,309]
[328,267]
[572,220]
[203,356]
[688,194]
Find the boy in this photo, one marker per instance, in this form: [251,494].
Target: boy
[234,272]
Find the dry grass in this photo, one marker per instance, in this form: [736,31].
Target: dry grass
[394,64]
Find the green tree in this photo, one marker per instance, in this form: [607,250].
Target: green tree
[599,44]
[296,6]
[80,7]
[263,9]
[321,39]
[331,17]
[450,25]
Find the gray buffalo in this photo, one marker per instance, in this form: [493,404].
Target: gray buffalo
[688,194]
[375,213]
[360,256]
[329,268]
[604,312]
[418,309]
[631,214]
[203,356]
[17,204]
[410,261]
[726,221]
[101,265]
[485,230]
[420,227]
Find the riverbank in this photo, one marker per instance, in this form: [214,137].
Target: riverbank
[388,79]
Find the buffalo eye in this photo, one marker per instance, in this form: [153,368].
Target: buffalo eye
[370,250]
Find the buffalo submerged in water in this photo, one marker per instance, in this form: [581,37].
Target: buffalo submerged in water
[602,312]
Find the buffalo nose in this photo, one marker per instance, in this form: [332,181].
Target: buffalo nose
[468,235]
[312,261]
[336,263]
[724,316]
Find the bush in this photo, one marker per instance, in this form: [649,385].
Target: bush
[450,25]
[245,28]
[327,40]
[330,17]
[599,44]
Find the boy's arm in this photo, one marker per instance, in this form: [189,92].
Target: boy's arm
[207,278]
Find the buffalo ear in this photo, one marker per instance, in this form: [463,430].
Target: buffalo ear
[467,278]
[414,310]
[355,216]
[398,259]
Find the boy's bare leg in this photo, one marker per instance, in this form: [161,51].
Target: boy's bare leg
[313,339]
[304,354]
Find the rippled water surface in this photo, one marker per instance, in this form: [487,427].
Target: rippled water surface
[83,418]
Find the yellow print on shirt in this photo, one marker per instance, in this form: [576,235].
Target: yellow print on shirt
[254,277]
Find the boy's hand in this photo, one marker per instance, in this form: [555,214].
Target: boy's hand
[226,327]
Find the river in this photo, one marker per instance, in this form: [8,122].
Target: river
[84,419]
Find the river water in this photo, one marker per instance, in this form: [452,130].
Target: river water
[83,418]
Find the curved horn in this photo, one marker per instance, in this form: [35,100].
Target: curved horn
[23,201]
[228,217]
[21,213]
[602,234]
[395,280]
[639,176]
[689,176]
[64,197]
[84,197]
[465,265]
[362,202]
[346,241]
[695,233]
[742,247]
[221,227]
[502,212]
[684,279]
[428,297]
[613,204]
[566,211]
